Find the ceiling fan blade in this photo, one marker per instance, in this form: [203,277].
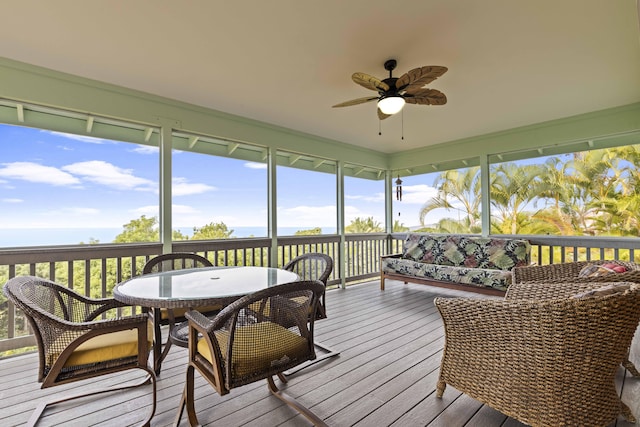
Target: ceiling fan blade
[356,101]
[426,97]
[418,77]
[370,82]
[382,115]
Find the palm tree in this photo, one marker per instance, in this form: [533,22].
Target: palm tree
[458,190]
[367,225]
[513,188]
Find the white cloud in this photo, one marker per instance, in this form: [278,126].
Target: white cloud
[12,200]
[73,211]
[145,149]
[181,187]
[151,210]
[352,212]
[254,165]
[34,172]
[183,209]
[417,194]
[82,138]
[105,173]
[377,197]
[307,216]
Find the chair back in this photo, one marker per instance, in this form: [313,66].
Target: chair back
[259,335]
[57,315]
[313,266]
[45,303]
[175,261]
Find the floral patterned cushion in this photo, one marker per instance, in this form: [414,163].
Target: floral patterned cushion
[482,277]
[467,251]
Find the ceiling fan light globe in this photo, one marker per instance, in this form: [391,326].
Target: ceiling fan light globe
[391,104]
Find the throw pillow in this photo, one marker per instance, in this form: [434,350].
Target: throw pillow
[609,289]
[592,270]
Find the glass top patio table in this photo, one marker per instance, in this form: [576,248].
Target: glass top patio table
[197,287]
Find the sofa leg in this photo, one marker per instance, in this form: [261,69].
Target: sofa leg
[440,386]
[382,283]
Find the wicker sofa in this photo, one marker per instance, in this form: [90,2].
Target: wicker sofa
[471,263]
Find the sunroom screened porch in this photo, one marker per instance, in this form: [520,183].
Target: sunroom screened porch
[396,334]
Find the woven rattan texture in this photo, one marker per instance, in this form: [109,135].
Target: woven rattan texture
[175,261]
[313,266]
[59,316]
[569,271]
[545,362]
[284,341]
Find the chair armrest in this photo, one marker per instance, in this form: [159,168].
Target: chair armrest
[540,273]
[549,290]
[124,322]
[198,319]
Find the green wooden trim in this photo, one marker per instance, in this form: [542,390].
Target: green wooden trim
[36,85]
[600,129]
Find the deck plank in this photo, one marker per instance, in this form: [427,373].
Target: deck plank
[390,345]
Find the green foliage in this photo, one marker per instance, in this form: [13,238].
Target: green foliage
[213,230]
[399,227]
[459,191]
[367,225]
[594,193]
[309,232]
[142,229]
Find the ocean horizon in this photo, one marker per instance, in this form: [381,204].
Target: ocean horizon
[17,237]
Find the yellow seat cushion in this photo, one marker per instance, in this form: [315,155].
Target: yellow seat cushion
[179,312]
[112,346]
[258,347]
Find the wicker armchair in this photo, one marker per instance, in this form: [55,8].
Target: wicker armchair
[75,341]
[313,266]
[240,346]
[544,362]
[163,316]
[564,279]
[569,271]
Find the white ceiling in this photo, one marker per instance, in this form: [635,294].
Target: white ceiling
[286,62]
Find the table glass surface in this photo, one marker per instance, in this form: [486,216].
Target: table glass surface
[203,283]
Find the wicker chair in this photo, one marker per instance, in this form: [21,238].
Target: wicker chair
[563,280]
[263,344]
[313,266]
[163,316]
[78,338]
[569,271]
[543,362]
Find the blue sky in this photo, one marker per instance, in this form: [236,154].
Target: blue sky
[55,180]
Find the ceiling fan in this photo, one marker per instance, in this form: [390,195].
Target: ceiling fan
[394,92]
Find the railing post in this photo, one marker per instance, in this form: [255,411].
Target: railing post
[340,223]
[272,206]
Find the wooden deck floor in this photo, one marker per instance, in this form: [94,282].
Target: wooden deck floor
[390,341]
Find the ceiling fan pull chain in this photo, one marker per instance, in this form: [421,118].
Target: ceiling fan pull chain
[379,127]
[402,125]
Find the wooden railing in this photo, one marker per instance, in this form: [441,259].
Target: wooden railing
[95,269]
